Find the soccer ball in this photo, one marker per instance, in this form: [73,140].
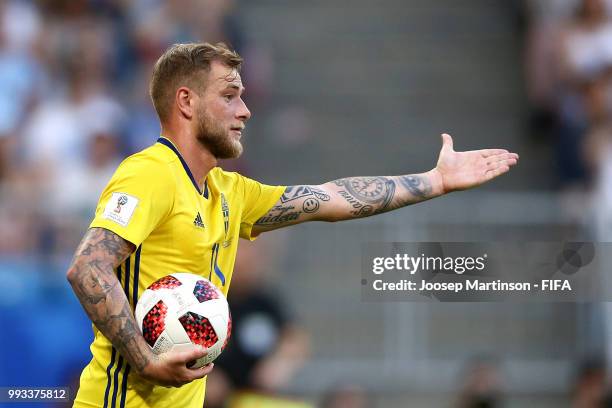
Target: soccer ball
[183,309]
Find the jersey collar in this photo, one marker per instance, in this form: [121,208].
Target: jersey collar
[172,147]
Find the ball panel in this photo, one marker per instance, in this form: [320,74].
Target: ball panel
[204,291]
[167,282]
[217,312]
[153,323]
[199,329]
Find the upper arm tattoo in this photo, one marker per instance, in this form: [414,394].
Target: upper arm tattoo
[92,276]
[94,263]
[292,205]
[294,192]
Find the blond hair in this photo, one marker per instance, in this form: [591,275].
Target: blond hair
[180,66]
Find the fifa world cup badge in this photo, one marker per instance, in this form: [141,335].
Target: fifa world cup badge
[120,208]
[121,202]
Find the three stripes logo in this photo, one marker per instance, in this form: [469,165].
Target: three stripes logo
[198,221]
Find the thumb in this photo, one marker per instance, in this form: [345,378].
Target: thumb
[190,355]
[447,142]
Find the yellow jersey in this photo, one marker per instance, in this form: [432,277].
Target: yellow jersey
[154,202]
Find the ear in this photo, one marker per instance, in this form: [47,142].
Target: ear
[185,102]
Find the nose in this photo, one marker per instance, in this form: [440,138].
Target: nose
[243,112]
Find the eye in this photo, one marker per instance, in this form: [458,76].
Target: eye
[228,97]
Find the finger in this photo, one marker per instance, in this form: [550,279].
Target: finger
[492,165]
[201,372]
[503,156]
[207,369]
[510,162]
[491,174]
[188,356]
[447,142]
[492,152]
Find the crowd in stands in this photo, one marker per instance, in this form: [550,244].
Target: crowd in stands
[569,88]
[74,77]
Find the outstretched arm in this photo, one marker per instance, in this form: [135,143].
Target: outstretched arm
[93,279]
[357,197]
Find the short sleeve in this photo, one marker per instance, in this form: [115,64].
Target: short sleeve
[258,199]
[136,200]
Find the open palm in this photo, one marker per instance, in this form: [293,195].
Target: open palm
[463,170]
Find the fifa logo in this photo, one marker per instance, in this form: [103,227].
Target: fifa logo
[121,202]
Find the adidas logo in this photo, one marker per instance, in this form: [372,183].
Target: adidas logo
[198,221]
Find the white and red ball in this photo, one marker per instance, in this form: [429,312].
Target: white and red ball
[183,309]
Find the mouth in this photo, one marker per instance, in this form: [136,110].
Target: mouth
[237,129]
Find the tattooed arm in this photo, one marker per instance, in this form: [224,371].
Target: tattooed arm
[356,197]
[347,198]
[93,279]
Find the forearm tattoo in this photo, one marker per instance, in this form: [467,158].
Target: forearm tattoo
[417,186]
[367,195]
[92,276]
[374,195]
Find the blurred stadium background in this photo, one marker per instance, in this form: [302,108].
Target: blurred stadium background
[336,88]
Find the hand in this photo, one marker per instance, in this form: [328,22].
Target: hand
[170,369]
[463,170]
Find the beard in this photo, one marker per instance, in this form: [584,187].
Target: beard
[215,139]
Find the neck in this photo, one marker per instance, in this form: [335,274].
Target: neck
[199,160]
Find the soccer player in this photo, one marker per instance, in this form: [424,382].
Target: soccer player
[170,208]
